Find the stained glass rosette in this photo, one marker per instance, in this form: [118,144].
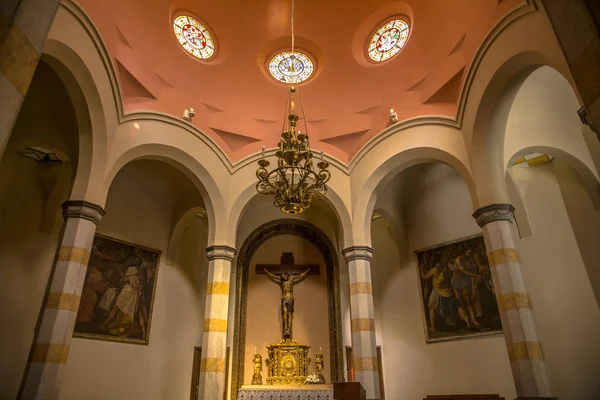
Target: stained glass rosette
[194,37]
[291,68]
[389,39]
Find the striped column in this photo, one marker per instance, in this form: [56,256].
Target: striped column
[24,26]
[214,338]
[364,346]
[516,312]
[51,344]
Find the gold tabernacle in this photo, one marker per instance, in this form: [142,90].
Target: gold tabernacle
[287,363]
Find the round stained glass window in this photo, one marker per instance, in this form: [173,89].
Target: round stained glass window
[194,37]
[389,39]
[291,68]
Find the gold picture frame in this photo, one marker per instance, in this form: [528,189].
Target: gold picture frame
[118,292]
[456,290]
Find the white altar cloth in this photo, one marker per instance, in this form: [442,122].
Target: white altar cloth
[285,392]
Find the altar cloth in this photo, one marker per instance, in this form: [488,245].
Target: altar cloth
[286,392]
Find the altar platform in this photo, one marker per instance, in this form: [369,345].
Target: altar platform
[285,392]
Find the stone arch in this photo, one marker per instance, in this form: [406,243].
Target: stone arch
[390,168]
[193,169]
[332,198]
[91,121]
[491,121]
[303,229]
[592,182]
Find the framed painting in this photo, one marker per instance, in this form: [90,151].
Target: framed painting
[456,290]
[118,292]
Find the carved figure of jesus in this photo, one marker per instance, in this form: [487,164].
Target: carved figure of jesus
[286,282]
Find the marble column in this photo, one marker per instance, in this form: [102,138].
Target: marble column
[364,346]
[216,311]
[24,26]
[516,312]
[50,350]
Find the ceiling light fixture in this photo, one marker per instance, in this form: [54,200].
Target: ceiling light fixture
[295,181]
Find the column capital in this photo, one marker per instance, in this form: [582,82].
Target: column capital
[220,252]
[83,209]
[357,253]
[494,212]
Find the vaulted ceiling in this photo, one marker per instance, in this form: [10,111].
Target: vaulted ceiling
[347,102]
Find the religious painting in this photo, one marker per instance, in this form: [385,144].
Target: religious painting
[118,292]
[457,292]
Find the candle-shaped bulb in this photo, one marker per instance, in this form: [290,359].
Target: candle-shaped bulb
[321,155]
[320,349]
[254,349]
[263,152]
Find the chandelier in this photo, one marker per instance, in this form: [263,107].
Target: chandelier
[295,181]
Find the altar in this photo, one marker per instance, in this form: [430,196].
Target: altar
[285,392]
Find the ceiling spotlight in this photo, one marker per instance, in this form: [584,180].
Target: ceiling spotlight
[188,114]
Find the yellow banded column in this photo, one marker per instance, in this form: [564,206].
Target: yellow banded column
[516,312]
[50,350]
[24,26]
[364,346]
[214,338]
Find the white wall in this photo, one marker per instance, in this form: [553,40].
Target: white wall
[139,210]
[568,317]
[436,208]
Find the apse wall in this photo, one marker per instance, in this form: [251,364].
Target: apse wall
[139,210]
[436,208]
[263,320]
[568,317]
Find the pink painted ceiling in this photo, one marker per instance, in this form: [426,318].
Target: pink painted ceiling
[348,100]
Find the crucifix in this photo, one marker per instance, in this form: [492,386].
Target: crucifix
[286,276]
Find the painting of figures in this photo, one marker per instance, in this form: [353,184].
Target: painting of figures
[118,292]
[457,292]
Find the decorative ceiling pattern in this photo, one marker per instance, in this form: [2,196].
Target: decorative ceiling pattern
[348,97]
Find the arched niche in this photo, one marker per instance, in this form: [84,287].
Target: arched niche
[381,177]
[151,204]
[286,226]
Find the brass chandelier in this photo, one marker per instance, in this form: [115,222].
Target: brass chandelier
[295,181]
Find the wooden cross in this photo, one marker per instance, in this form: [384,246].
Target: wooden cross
[287,265]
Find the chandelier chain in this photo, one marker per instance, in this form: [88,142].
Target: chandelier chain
[295,181]
[293,38]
